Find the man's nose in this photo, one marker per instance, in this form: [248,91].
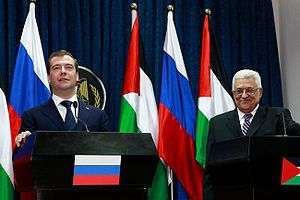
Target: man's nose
[63,69]
[244,94]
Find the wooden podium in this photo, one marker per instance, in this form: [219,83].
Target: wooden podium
[51,164]
[251,168]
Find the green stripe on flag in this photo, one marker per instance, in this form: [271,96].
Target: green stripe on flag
[293,181]
[6,187]
[201,138]
[127,118]
[159,190]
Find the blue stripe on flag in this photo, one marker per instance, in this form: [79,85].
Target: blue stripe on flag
[26,149]
[176,95]
[97,170]
[26,84]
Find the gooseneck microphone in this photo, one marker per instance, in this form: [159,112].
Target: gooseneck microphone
[283,124]
[75,104]
[282,118]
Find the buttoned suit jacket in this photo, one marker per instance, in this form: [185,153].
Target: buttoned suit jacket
[46,117]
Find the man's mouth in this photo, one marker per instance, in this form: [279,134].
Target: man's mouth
[63,79]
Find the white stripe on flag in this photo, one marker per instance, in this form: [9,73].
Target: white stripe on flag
[31,41]
[97,159]
[5,139]
[220,101]
[172,47]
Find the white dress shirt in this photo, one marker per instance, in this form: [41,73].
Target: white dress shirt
[241,116]
[63,110]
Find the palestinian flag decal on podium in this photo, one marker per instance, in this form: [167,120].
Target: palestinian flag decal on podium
[290,173]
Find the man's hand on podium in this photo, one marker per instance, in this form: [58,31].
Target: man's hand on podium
[21,138]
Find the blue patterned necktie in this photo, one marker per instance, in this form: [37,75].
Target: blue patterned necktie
[246,124]
[70,122]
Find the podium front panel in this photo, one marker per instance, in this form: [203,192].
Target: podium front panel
[54,152]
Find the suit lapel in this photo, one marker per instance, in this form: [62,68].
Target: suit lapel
[50,111]
[233,123]
[257,120]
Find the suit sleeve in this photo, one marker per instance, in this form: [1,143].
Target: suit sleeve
[28,122]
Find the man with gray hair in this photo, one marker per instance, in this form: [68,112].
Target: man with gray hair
[249,118]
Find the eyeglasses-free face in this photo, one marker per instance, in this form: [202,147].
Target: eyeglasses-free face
[246,94]
[63,75]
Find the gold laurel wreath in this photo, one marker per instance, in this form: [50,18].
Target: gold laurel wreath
[96,95]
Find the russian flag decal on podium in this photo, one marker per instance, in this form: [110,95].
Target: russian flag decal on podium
[97,170]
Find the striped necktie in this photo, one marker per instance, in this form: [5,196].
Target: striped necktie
[246,123]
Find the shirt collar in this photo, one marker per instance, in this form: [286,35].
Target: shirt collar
[241,114]
[57,100]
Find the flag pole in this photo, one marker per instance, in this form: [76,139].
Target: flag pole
[207,11]
[133,6]
[133,9]
[170,8]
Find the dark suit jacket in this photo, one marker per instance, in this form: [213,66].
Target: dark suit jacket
[47,118]
[266,121]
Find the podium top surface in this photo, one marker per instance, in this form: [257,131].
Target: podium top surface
[70,143]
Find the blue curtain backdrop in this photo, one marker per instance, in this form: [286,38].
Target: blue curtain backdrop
[97,33]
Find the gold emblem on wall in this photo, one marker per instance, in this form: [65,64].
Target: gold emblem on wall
[91,90]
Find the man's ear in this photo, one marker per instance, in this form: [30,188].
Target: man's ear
[261,92]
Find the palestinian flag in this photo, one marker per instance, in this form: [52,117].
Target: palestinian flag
[138,111]
[213,98]
[290,173]
[6,167]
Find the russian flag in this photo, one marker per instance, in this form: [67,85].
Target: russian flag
[97,170]
[176,144]
[30,86]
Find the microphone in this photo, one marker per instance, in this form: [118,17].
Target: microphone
[282,117]
[75,104]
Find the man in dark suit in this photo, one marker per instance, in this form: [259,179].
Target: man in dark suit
[64,110]
[249,118]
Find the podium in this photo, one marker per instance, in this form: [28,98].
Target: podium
[251,167]
[51,165]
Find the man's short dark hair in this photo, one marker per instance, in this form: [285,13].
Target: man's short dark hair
[61,53]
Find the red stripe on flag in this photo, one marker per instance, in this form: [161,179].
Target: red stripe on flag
[96,180]
[23,172]
[177,149]
[132,73]
[289,170]
[15,124]
[204,89]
